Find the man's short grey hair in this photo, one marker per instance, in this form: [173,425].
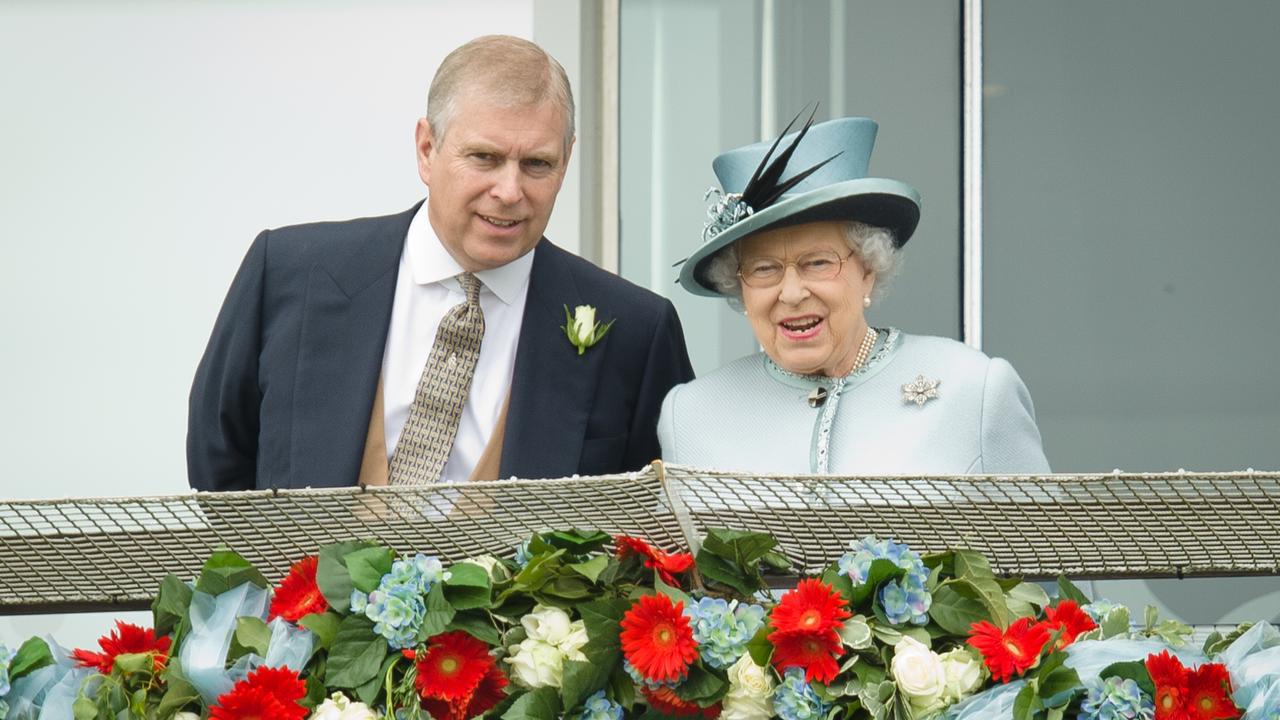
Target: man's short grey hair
[506,70]
[872,245]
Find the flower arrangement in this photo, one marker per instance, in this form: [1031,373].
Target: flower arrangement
[585,626]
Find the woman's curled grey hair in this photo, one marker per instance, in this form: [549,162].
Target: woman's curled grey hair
[872,245]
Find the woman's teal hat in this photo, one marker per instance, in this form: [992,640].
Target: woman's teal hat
[826,179]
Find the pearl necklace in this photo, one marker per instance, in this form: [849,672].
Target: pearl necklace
[864,350]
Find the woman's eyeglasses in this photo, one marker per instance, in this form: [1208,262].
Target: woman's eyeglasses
[764,272]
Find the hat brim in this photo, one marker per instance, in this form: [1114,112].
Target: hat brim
[876,201]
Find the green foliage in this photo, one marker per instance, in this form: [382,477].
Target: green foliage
[1068,591]
[1049,690]
[1216,642]
[169,609]
[366,567]
[31,656]
[733,558]
[323,625]
[1135,671]
[540,704]
[332,576]
[179,693]
[577,542]
[468,587]
[225,570]
[251,636]
[356,655]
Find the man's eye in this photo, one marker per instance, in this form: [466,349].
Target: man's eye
[483,157]
[537,165]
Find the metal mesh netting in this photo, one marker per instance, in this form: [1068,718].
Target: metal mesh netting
[97,553]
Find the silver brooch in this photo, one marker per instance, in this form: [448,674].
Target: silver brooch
[725,212]
[920,391]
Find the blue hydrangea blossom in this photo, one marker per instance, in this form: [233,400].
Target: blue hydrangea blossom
[397,607]
[722,629]
[904,601]
[599,707]
[6,657]
[795,699]
[1116,699]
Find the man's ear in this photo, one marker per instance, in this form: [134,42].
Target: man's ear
[425,142]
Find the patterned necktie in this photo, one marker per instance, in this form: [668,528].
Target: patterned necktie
[428,434]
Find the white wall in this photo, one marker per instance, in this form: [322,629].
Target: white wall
[142,146]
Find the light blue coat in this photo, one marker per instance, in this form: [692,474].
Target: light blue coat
[752,416]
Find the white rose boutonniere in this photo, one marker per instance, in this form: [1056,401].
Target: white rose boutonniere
[919,674]
[581,327]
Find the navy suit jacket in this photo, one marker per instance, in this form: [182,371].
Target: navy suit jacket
[283,394]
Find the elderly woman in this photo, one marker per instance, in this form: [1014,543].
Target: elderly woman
[804,242]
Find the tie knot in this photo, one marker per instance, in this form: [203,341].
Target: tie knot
[471,286]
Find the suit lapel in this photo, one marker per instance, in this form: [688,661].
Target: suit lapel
[344,334]
[552,386]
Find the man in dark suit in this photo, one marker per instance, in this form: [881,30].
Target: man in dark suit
[427,346]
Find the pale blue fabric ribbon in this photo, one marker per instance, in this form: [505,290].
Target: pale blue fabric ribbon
[213,623]
[47,693]
[1254,662]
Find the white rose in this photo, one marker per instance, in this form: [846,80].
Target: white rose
[537,664]
[750,694]
[573,643]
[184,715]
[918,672]
[584,323]
[963,672]
[547,624]
[338,707]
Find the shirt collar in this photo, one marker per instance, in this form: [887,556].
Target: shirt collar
[431,263]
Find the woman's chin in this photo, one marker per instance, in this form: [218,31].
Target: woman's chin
[800,363]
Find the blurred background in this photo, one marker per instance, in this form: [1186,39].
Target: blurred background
[1099,183]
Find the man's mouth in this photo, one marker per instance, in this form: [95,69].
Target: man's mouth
[499,222]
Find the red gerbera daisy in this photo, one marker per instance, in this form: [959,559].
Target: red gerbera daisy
[298,593]
[667,564]
[126,639]
[1073,621]
[1185,694]
[665,701]
[485,697]
[1170,679]
[815,653]
[1209,694]
[812,607]
[657,639]
[266,694]
[452,667]
[1009,652]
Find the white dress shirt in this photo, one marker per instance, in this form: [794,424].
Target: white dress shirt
[426,289]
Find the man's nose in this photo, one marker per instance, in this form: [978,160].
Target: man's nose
[506,184]
[793,290]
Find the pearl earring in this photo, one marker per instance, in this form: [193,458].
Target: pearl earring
[866,301]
